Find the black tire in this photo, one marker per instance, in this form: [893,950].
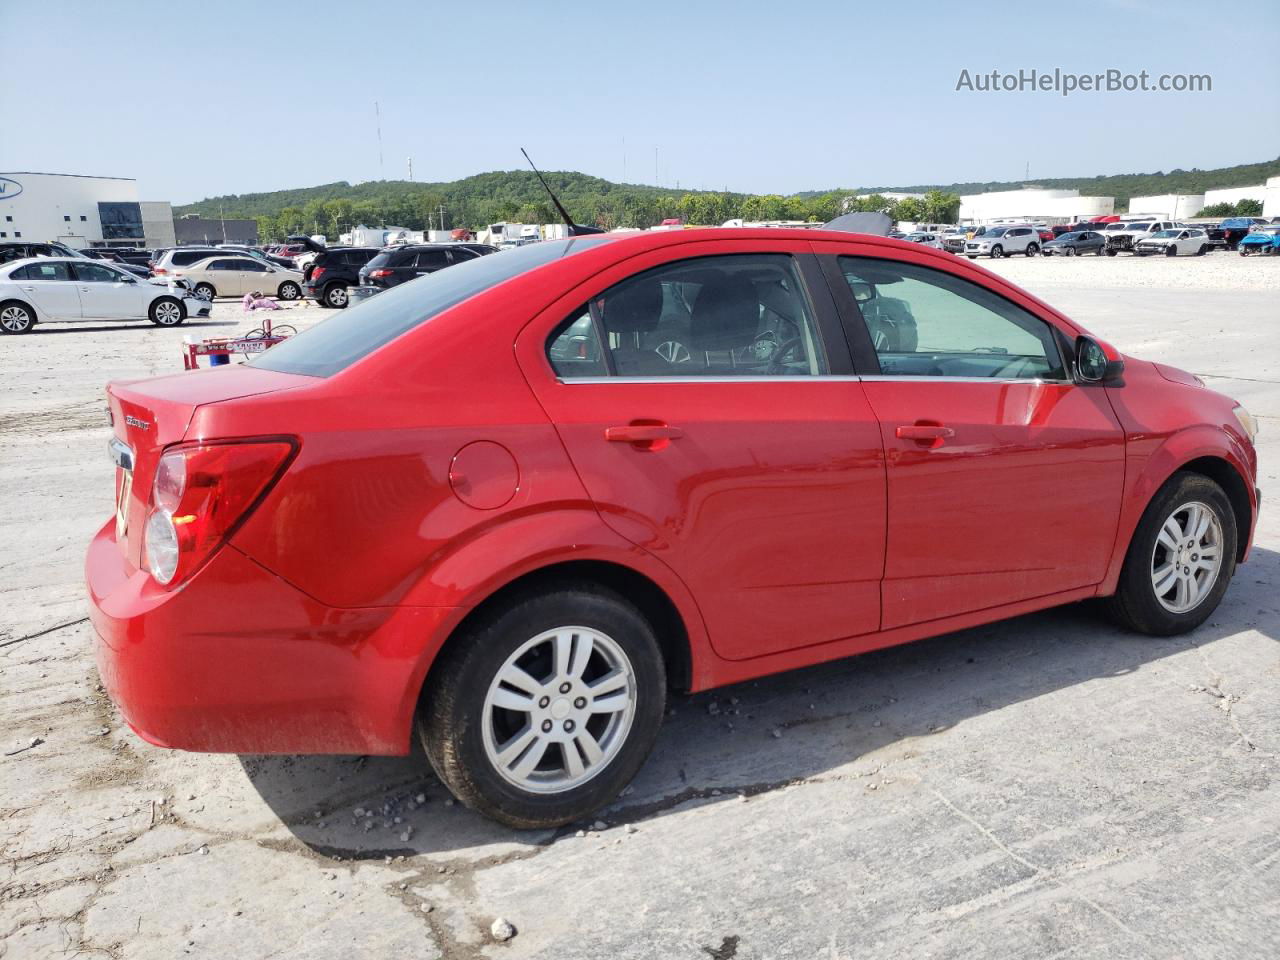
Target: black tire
[16,317]
[997,252]
[1032,250]
[167,312]
[1111,251]
[1135,604]
[972,256]
[289,291]
[1203,250]
[1171,250]
[1070,251]
[1099,251]
[335,295]
[1244,251]
[205,291]
[451,714]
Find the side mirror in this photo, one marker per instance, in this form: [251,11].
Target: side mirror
[124,279]
[1094,363]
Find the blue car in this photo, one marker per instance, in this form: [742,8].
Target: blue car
[1265,241]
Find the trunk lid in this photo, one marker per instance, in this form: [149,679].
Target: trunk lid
[149,415]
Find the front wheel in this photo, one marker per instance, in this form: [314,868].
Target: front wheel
[205,291]
[167,312]
[541,712]
[289,291]
[1180,560]
[1171,251]
[1071,251]
[997,252]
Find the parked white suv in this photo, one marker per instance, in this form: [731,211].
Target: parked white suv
[999,242]
[1127,234]
[1174,242]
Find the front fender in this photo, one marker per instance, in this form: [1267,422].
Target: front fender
[1153,460]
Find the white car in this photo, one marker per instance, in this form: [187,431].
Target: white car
[1174,242]
[42,289]
[233,276]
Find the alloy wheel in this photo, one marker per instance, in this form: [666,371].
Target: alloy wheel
[15,319]
[167,314]
[1187,557]
[559,710]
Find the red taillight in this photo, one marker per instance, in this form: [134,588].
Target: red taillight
[379,273]
[200,494]
[317,273]
[158,270]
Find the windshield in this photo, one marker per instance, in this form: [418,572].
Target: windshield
[1138,226]
[1164,233]
[996,232]
[340,341]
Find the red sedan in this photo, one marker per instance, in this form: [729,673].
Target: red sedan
[510,504]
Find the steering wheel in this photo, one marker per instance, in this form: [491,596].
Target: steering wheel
[775,361]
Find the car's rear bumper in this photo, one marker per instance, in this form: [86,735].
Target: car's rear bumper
[237,660]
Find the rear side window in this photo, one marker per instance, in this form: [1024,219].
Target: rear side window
[55,270]
[431,260]
[744,315]
[358,258]
[187,257]
[341,340]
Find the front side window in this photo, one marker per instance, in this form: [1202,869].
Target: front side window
[250,266]
[744,315]
[928,323]
[89,272]
[54,270]
[222,265]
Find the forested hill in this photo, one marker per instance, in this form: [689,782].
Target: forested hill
[518,196]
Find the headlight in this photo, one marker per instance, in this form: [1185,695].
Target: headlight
[1248,423]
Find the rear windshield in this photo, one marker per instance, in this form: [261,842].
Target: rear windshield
[381,260]
[353,334]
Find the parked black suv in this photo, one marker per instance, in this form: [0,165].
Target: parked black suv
[19,250]
[327,278]
[397,265]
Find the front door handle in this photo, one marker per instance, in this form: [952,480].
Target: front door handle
[645,436]
[930,433]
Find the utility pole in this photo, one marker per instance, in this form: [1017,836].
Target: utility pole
[411,169]
[624,159]
[656,181]
[222,217]
[442,216]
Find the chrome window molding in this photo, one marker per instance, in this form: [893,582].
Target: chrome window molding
[823,378]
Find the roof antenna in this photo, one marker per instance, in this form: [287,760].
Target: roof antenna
[575,229]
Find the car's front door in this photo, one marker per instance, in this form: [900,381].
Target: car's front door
[106,293]
[706,399]
[51,288]
[1004,475]
[256,277]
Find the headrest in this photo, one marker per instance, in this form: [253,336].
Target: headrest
[633,307]
[726,314]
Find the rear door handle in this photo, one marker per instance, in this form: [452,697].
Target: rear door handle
[925,432]
[651,436]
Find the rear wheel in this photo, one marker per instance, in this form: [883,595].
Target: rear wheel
[289,291]
[167,312]
[16,317]
[1180,560]
[205,291]
[335,295]
[1032,249]
[544,710]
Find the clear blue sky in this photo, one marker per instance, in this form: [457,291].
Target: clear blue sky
[196,100]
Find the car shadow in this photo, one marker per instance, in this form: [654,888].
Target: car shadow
[759,736]
[45,329]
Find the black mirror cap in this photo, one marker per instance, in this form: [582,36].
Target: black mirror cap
[1093,365]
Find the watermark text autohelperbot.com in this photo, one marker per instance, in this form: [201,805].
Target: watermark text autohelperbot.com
[1065,83]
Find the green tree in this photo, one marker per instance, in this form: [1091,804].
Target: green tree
[941,207]
[911,208]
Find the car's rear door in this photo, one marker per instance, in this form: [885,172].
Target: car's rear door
[1004,475]
[51,287]
[705,395]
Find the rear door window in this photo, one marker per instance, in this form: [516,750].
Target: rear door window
[54,270]
[431,260]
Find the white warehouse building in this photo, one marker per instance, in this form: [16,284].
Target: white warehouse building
[1235,195]
[1033,204]
[1167,206]
[81,211]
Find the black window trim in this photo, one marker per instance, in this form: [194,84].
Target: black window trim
[867,361]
